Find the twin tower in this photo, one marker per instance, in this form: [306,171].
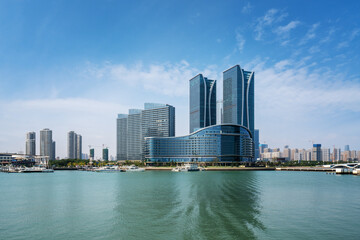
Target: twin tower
[238,100]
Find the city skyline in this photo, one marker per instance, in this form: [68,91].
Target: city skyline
[76,73]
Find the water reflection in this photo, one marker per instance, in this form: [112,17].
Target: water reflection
[204,205]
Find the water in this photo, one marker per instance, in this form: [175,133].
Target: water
[168,205]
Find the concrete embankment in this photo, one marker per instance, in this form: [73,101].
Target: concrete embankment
[216,169]
[306,169]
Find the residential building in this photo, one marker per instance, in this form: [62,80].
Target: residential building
[337,154]
[47,145]
[347,148]
[316,152]
[325,154]
[31,143]
[74,145]
[105,154]
[238,94]
[226,143]
[78,146]
[286,153]
[262,147]
[202,102]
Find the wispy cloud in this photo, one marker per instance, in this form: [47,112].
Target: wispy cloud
[286,29]
[272,16]
[349,37]
[240,41]
[247,8]
[311,34]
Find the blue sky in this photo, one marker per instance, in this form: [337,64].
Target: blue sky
[73,65]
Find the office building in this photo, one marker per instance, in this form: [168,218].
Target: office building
[31,143]
[121,137]
[238,94]
[92,154]
[262,147]
[316,153]
[202,102]
[134,135]
[74,145]
[347,148]
[156,120]
[226,143]
[47,145]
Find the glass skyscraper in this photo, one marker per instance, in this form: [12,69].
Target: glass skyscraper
[121,137]
[134,135]
[202,102]
[238,94]
[47,145]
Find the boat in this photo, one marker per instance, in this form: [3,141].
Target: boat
[134,168]
[109,169]
[36,169]
[188,167]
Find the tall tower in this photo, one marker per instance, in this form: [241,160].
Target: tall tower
[238,92]
[121,137]
[78,146]
[30,143]
[47,144]
[134,134]
[70,145]
[202,102]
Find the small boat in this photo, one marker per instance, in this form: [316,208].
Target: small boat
[188,167]
[109,169]
[134,168]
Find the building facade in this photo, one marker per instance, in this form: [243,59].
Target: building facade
[74,145]
[226,143]
[156,120]
[238,94]
[121,137]
[47,145]
[316,153]
[257,144]
[202,102]
[31,143]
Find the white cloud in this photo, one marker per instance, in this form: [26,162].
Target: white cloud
[272,16]
[240,41]
[285,29]
[247,8]
[311,34]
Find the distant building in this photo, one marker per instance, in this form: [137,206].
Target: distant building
[74,145]
[316,152]
[336,154]
[238,94]
[219,112]
[262,147]
[202,102]
[134,135]
[47,145]
[105,154]
[347,148]
[325,154]
[31,143]
[121,137]
[256,144]
[286,153]
[92,154]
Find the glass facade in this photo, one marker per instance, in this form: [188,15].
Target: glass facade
[238,93]
[202,102]
[217,143]
[31,143]
[121,137]
[134,134]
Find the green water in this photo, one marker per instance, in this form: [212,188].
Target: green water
[168,205]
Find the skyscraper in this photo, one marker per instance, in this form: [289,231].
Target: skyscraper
[316,153]
[238,94]
[105,154]
[30,143]
[121,137]
[47,146]
[134,135]
[256,143]
[74,145]
[202,102]
[156,120]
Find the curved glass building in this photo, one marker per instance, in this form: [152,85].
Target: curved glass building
[225,143]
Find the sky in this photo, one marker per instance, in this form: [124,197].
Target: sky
[74,65]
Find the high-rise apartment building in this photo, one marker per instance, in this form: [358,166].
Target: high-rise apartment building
[156,120]
[347,148]
[238,94]
[31,143]
[202,102]
[47,145]
[121,137]
[286,153]
[316,153]
[325,154]
[74,145]
[105,154]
